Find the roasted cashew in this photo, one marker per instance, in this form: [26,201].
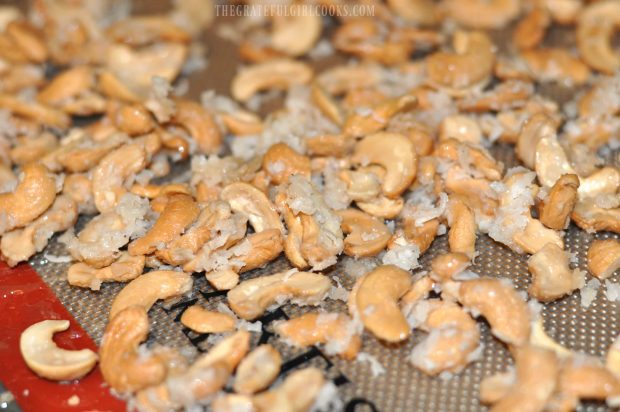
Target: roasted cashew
[71,91]
[375,300]
[335,330]
[395,153]
[585,379]
[273,74]
[555,64]
[179,213]
[534,129]
[200,125]
[551,276]
[445,267]
[123,367]
[482,14]
[145,290]
[32,149]
[604,257]
[421,236]
[500,304]
[367,236]
[33,195]
[460,127]
[556,208]
[264,247]
[251,202]
[593,218]
[257,370]
[470,66]
[595,29]
[134,119]
[21,244]
[223,279]
[108,177]
[531,30]
[48,360]
[452,341]
[479,158]
[281,161]
[462,221]
[201,320]
[376,118]
[297,32]
[124,269]
[251,298]
[296,394]
[537,371]
[423,12]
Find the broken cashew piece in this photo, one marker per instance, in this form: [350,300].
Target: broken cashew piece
[251,298]
[336,330]
[145,290]
[560,202]
[445,267]
[462,235]
[551,275]
[281,161]
[251,202]
[604,257]
[48,360]
[375,300]
[124,269]
[257,370]
[297,393]
[367,235]
[201,320]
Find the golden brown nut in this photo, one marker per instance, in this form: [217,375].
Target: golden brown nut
[604,257]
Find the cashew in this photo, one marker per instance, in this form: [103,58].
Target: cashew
[592,218]
[297,32]
[479,158]
[537,371]
[48,360]
[122,366]
[482,14]
[362,184]
[612,360]
[604,181]
[460,127]
[335,330]
[223,279]
[327,104]
[421,236]
[375,301]
[500,304]
[201,320]
[251,298]
[296,394]
[257,370]
[71,92]
[462,235]
[423,12]
[21,244]
[151,191]
[395,153]
[445,267]
[79,152]
[180,211]
[145,290]
[124,269]
[362,123]
[108,177]
[452,340]
[556,209]
[604,257]
[134,119]
[35,112]
[531,30]
[586,379]
[470,67]
[200,125]
[539,338]
[281,161]
[32,149]
[143,30]
[551,276]
[273,74]
[367,236]
[535,128]
[595,29]
[232,402]
[251,202]
[554,64]
[34,194]
[264,247]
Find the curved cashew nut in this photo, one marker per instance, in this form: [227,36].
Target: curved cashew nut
[556,209]
[122,366]
[264,247]
[362,123]
[592,218]
[551,276]
[180,211]
[200,124]
[272,74]
[124,269]
[145,290]
[297,32]
[108,177]
[537,371]
[531,30]
[604,257]
[66,85]
[395,153]
[595,27]
[500,304]
[470,67]
[483,14]
[551,161]
[281,161]
[32,196]
[335,330]
[201,320]
[296,394]
[449,327]
[555,64]
[48,360]
[251,202]
[251,298]
[257,370]
[445,267]
[367,236]
[375,300]
[421,236]
[586,379]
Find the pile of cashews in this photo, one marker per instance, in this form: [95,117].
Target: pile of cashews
[370,160]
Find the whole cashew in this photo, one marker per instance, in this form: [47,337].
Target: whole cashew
[248,200]
[145,290]
[251,298]
[297,32]
[122,366]
[33,195]
[281,161]
[335,330]
[375,300]
[551,276]
[556,209]
[604,257]
[367,236]
[48,360]
[595,27]
[257,370]
[124,269]
[200,124]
